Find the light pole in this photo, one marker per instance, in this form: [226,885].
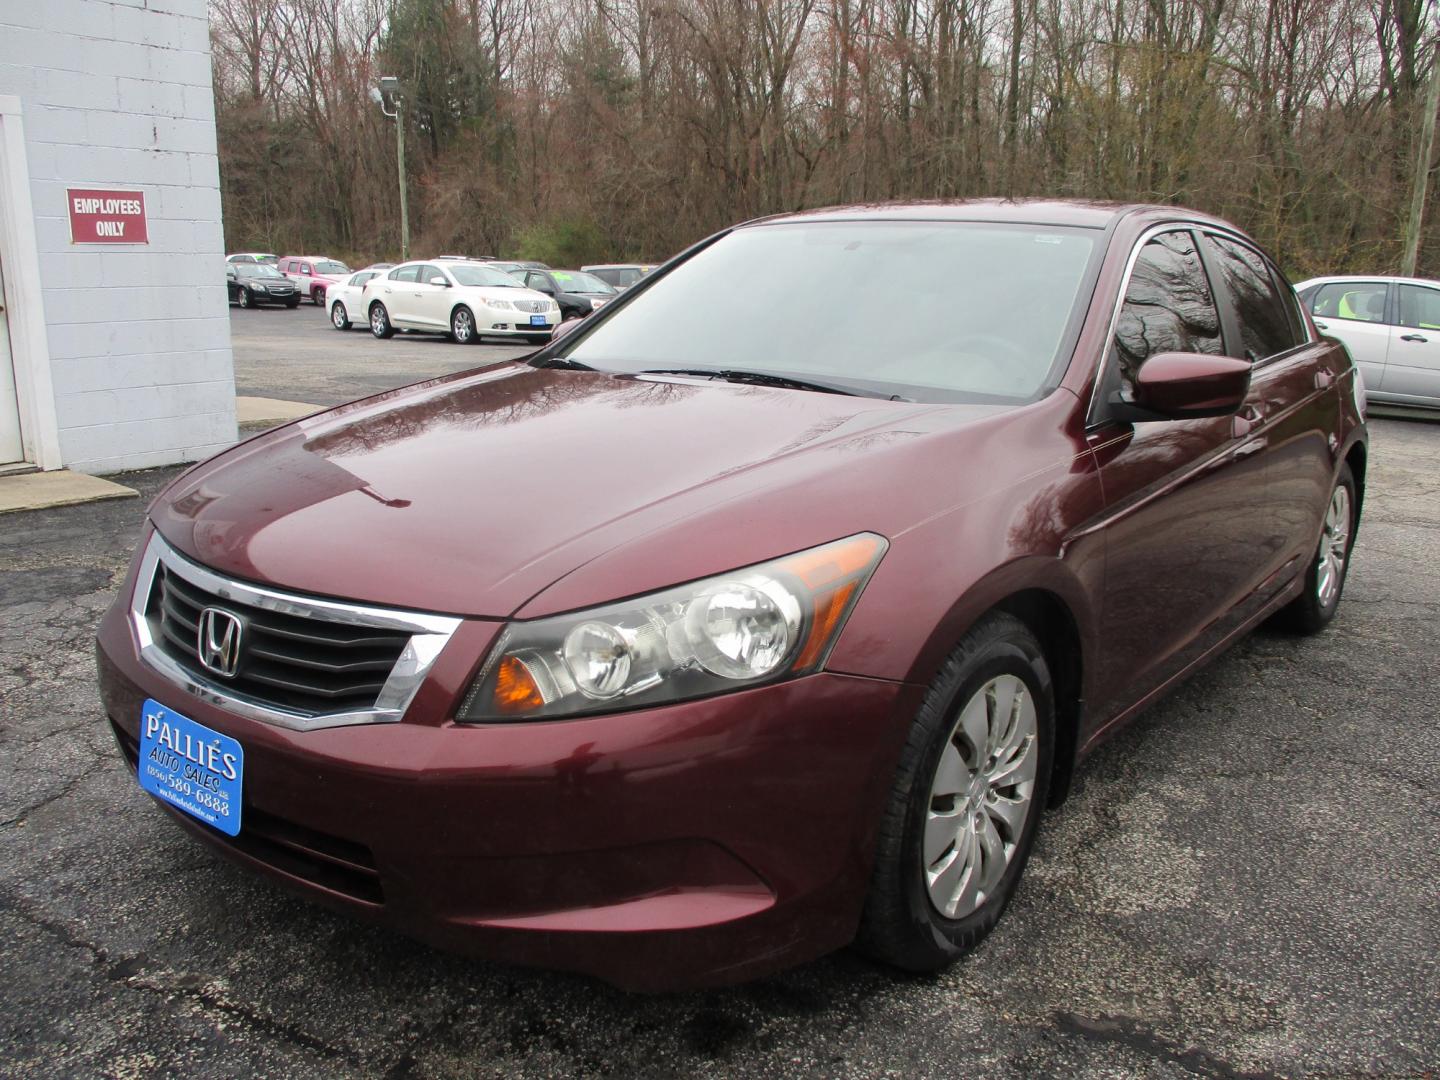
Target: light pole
[392,104]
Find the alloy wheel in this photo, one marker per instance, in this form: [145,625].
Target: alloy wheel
[337,315]
[378,322]
[981,796]
[1334,547]
[462,325]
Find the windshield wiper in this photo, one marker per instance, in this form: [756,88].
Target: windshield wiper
[762,378]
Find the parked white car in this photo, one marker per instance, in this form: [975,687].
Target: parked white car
[1391,326]
[467,300]
[347,304]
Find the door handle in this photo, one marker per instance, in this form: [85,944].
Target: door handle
[1324,379]
[1414,337]
[1321,325]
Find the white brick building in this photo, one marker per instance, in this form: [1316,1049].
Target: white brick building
[114,354]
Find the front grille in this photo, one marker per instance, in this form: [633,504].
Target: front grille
[297,663]
[534,307]
[330,862]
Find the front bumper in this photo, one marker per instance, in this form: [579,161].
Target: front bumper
[504,324]
[688,845]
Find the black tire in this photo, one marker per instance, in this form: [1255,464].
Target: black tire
[463,330]
[339,317]
[317,297]
[245,299]
[900,924]
[380,324]
[1311,612]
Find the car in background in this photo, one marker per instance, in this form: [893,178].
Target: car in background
[620,275]
[1391,325]
[347,305]
[578,294]
[465,258]
[252,257]
[717,636]
[467,301]
[252,284]
[511,266]
[314,274]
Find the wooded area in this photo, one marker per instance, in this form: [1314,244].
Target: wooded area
[619,129]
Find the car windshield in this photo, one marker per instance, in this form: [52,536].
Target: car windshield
[577,281]
[264,270]
[330,266]
[483,275]
[927,311]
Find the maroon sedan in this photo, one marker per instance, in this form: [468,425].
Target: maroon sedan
[763,613]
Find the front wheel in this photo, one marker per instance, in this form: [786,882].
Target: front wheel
[245,299]
[380,321]
[966,801]
[339,317]
[462,326]
[1312,610]
[317,297]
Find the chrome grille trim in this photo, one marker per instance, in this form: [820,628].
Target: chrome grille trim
[428,636]
[534,307]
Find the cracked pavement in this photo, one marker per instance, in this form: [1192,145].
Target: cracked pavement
[1244,882]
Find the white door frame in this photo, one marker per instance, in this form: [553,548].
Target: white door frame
[24,305]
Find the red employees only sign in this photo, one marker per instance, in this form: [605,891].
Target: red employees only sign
[107,217]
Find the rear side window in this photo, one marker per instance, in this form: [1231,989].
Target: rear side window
[1168,304]
[405,273]
[1419,307]
[1265,327]
[1362,301]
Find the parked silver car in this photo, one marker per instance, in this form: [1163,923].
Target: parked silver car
[1391,326]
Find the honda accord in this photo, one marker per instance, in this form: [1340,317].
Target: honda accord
[716,636]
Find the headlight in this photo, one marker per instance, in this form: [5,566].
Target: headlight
[499,305]
[596,305]
[259,288]
[758,624]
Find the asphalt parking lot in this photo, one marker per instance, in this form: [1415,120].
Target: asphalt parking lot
[298,356]
[1243,883]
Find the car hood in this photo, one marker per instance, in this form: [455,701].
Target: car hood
[501,292]
[475,494]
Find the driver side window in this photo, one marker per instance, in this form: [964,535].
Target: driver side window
[1168,305]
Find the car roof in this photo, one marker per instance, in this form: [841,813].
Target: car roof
[1076,213]
[1344,279]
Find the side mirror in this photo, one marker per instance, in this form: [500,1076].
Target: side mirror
[440,279]
[1187,386]
[546,289]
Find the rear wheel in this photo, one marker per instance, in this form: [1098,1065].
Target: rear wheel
[380,321]
[462,326]
[1312,610]
[245,299]
[966,801]
[339,316]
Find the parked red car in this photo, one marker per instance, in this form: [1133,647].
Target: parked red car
[696,646]
[314,274]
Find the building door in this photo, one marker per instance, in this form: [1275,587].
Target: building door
[10,448]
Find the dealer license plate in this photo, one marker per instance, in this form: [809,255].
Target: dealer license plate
[191,767]
[538,320]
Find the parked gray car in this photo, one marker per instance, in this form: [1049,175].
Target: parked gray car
[1391,326]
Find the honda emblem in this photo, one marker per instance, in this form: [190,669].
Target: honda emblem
[219,641]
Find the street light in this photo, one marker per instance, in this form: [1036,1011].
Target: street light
[392,104]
